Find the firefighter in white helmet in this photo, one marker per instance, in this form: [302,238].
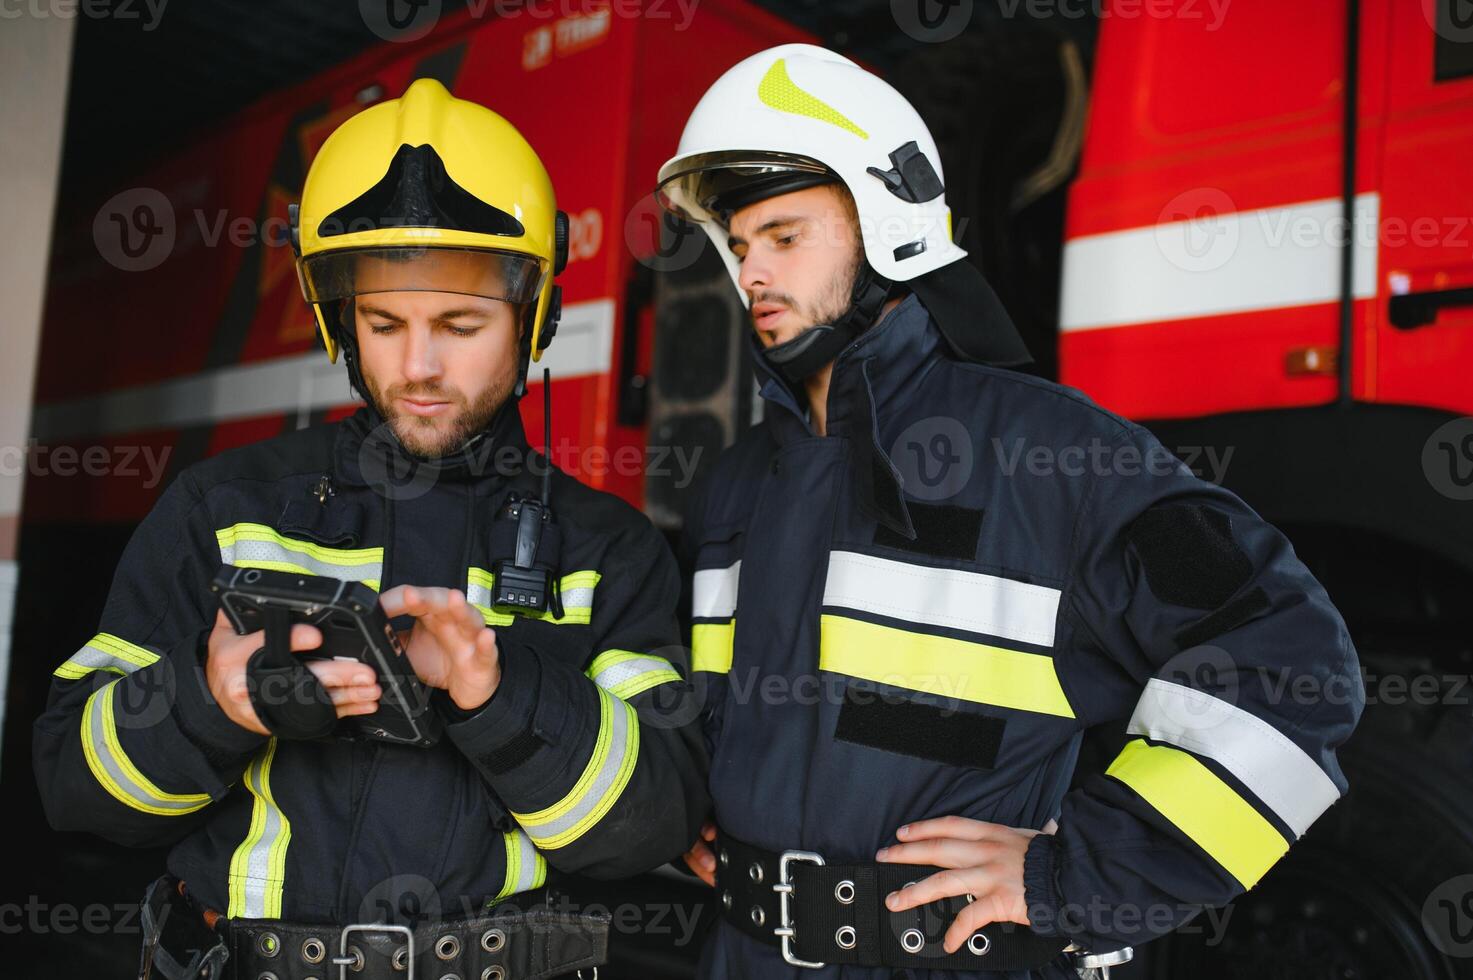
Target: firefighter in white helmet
[920,579]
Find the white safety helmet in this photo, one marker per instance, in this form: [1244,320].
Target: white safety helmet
[798,115]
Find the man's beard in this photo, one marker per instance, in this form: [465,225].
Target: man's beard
[827,307]
[423,437]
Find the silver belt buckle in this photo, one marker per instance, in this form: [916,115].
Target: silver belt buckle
[1096,966]
[784,889]
[344,962]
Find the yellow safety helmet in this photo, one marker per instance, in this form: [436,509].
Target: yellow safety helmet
[439,191]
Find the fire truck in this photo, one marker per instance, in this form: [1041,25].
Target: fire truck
[1267,259]
[1245,226]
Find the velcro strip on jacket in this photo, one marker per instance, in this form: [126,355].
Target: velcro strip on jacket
[942,530]
[1226,617]
[951,736]
[1189,554]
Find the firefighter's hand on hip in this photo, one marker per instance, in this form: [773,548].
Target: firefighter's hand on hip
[352,686]
[701,859]
[983,860]
[450,645]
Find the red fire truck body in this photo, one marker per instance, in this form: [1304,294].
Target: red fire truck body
[202,340]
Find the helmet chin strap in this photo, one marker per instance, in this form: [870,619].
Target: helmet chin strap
[795,360]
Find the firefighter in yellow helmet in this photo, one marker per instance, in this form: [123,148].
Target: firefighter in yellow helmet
[301,841]
[429,193]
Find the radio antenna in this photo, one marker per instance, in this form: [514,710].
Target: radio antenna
[546,436]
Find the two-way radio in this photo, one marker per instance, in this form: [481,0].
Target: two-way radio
[526,579]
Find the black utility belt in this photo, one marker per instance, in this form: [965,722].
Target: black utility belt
[509,944]
[819,914]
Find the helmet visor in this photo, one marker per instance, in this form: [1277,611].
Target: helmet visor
[709,186]
[509,276]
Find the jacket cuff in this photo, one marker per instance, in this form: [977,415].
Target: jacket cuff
[200,717]
[1040,885]
[499,736]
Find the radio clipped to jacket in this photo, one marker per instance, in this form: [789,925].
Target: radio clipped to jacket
[526,542]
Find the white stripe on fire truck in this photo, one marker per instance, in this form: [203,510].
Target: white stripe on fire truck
[1239,262]
[297,385]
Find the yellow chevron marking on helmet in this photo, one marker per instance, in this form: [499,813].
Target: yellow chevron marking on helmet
[780,92]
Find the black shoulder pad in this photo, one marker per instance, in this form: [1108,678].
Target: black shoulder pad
[1189,554]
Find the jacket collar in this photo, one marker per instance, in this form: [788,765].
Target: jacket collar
[872,378]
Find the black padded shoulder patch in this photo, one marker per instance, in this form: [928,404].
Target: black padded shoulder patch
[942,530]
[1189,554]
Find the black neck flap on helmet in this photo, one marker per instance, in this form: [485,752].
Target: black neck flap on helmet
[970,317]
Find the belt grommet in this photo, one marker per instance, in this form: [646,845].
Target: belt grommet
[451,976]
[758,916]
[447,947]
[492,940]
[400,960]
[493,973]
[268,944]
[723,857]
[267,976]
[313,950]
[844,892]
[755,872]
[912,940]
[846,937]
[357,965]
[726,901]
[976,948]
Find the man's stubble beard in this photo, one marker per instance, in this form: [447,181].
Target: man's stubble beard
[833,303]
[421,436]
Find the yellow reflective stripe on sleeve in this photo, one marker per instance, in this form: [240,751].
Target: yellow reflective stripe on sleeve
[711,646]
[526,869]
[941,665]
[106,652]
[1201,806]
[259,546]
[1277,771]
[625,673]
[615,753]
[258,867]
[577,590]
[116,773]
